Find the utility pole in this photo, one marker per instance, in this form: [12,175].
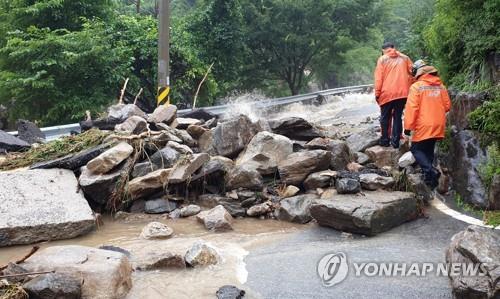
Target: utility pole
[163,53]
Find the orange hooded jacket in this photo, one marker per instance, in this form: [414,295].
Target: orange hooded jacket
[392,76]
[425,111]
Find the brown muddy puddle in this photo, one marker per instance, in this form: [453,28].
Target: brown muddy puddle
[248,234]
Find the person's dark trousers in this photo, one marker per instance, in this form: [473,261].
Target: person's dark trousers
[423,151]
[392,111]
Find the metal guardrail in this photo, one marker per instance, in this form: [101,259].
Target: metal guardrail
[55,132]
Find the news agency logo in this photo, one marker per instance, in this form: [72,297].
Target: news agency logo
[333,268]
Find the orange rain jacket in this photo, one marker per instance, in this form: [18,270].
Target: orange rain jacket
[392,76]
[425,111]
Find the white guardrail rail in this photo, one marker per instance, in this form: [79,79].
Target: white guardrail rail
[55,132]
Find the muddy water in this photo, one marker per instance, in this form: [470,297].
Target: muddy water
[233,246]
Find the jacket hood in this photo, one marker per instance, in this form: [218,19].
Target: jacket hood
[391,52]
[431,79]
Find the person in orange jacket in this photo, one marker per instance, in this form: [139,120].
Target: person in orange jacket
[392,83]
[425,116]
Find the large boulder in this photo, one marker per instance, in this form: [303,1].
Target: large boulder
[73,161]
[163,114]
[265,151]
[111,158]
[29,132]
[295,128]
[341,154]
[359,142]
[216,219]
[183,170]
[373,181]
[54,285]
[297,166]
[106,274]
[164,158]
[121,112]
[383,156]
[10,143]
[296,209]
[376,212]
[40,205]
[468,158]
[229,138]
[320,179]
[133,125]
[100,187]
[244,176]
[146,185]
[476,247]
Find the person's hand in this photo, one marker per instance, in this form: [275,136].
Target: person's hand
[407,132]
[376,99]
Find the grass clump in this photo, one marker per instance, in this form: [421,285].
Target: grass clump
[491,168]
[54,149]
[492,218]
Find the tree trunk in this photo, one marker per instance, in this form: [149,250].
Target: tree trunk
[138,6]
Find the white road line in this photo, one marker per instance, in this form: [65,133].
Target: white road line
[438,204]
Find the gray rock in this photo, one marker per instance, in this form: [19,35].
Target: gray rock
[111,158]
[347,186]
[362,158]
[142,169]
[372,181]
[295,128]
[265,151]
[156,230]
[218,163]
[259,210]
[40,205]
[190,210]
[183,123]
[476,246]
[417,185]
[244,176]
[341,154]
[359,142]
[99,187]
[376,212]
[181,148]
[182,171]
[234,208]
[229,292]
[13,269]
[29,132]
[383,156]
[163,114]
[185,138]
[298,166]
[107,274]
[320,179]
[247,203]
[54,286]
[296,209]
[154,260]
[196,131]
[133,125]
[73,161]
[201,254]
[123,111]
[146,185]
[10,143]
[165,158]
[216,219]
[211,200]
[167,134]
[159,206]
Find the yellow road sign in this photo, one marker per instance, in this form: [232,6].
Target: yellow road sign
[163,95]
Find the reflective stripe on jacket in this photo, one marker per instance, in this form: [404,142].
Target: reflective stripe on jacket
[425,111]
[392,76]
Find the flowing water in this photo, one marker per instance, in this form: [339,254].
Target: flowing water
[344,112]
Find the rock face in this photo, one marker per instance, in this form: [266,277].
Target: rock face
[29,132]
[244,176]
[383,156]
[111,158]
[265,151]
[10,143]
[106,274]
[99,187]
[156,230]
[373,181]
[54,285]
[295,128]
[216,219]
[298,166]
[133,125]
[320,179]
[183,171]
[121,112]
[148,184]
[39,205]
[371,214]
[73,161]
[476,245]
[347,186]
[464,169]
[296,209]
[163,114]
[359,142]
[201,254]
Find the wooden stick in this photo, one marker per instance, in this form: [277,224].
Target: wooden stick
[33,250]
[120,101]
[26,274]
[199,85]
[137,96]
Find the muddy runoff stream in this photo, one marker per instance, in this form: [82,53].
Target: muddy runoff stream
[345,113]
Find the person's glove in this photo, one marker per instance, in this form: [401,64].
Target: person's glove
[407,132]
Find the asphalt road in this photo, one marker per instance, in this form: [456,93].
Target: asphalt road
[288,269]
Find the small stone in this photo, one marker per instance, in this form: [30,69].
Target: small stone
[156,230]
[201,254]
[190,210]
[320,179]
[406,160]
[383,156]
[354,167]
[196,131]
[217,219]
[347,186]
[372,181]
[290,191]
[259,210]
[230,292]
